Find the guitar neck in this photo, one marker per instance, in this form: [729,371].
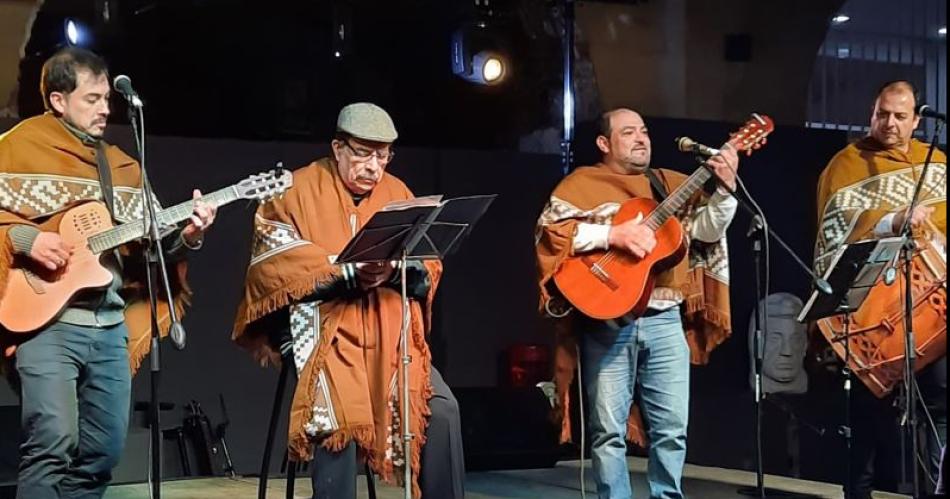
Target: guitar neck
[678,198]
[750,136]
[117,236]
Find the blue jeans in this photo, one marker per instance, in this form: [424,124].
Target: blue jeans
[75,384]
[651,354]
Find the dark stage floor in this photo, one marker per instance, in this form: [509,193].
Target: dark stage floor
[560,482]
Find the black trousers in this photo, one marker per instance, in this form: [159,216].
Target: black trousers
[875,459]
[442,475]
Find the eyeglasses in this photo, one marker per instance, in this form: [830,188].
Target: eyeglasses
[364,155]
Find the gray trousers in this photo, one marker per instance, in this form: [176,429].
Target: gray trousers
[443,464]
[75,385]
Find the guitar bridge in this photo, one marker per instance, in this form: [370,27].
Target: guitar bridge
[601,274]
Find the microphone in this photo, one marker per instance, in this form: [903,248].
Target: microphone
[123,85]
[686,144]
[928,112]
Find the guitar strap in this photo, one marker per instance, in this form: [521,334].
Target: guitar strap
[105,177]
[659,190]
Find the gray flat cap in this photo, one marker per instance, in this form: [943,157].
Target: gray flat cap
[366,121]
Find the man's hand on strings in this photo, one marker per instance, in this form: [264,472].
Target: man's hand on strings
[50,251]
[200,221]
[724,165]
[633,237]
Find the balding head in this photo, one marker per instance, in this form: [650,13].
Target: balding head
[624,141]
[605,127]
[894,116]
[898,86]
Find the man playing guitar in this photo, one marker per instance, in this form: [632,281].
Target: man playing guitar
[74,373]
[651,350]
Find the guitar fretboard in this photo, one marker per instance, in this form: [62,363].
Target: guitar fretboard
[117,236]
[678,198]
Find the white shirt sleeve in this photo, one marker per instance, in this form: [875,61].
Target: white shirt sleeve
[590,237]
[710,222]
[885,227]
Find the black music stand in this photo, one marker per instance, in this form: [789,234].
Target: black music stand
[420,229]
[854,271]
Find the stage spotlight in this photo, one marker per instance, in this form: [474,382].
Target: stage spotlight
[475,57]
[490,66]
[840,19]
[76,33]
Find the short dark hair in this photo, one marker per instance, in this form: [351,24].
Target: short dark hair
[893,85]
[341,136]
[603,125]
[61,70]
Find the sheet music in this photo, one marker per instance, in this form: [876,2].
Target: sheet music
[426,201]
[856,285]
[428,226]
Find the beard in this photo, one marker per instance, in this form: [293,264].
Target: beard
[637,161]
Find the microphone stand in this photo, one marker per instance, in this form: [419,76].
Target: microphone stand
[759,232]
[909,417]
[154,267]
[758,224]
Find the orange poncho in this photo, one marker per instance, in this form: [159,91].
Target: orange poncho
[347,387]
[864,182]
[45,170]
[593,195]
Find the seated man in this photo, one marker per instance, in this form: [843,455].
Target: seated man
[345,320]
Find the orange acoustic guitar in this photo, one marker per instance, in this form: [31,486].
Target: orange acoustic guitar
[609,284]
[35,296]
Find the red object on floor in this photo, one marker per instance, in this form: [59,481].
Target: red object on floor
[528,365]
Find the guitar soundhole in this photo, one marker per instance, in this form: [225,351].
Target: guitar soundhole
[87,223]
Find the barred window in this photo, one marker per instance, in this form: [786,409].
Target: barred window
[868,43]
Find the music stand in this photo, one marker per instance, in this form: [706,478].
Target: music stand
[853,272]
[422,229]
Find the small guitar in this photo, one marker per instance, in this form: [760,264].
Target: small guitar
[35,296]
[609,284]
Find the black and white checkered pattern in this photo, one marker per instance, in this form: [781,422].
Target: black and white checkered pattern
[305,331]
[36,196]
[272,237]
[890,192]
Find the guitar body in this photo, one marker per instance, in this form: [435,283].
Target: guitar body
[35,296]
[610,284]
[607,288]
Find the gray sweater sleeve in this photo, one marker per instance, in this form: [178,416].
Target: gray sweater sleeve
[22,237]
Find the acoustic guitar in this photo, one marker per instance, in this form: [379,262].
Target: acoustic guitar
[612,283]
[35,296]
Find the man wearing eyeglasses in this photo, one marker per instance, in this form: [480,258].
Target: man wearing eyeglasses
[340,323]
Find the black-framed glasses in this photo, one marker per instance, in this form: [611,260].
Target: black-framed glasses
[363,155]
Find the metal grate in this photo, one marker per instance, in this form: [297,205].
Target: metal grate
[883,40]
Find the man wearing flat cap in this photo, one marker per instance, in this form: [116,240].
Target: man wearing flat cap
[340,323]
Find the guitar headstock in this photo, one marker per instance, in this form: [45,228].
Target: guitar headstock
[266,185]
[752,135]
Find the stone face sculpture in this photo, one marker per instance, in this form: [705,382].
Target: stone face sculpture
[785,344]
